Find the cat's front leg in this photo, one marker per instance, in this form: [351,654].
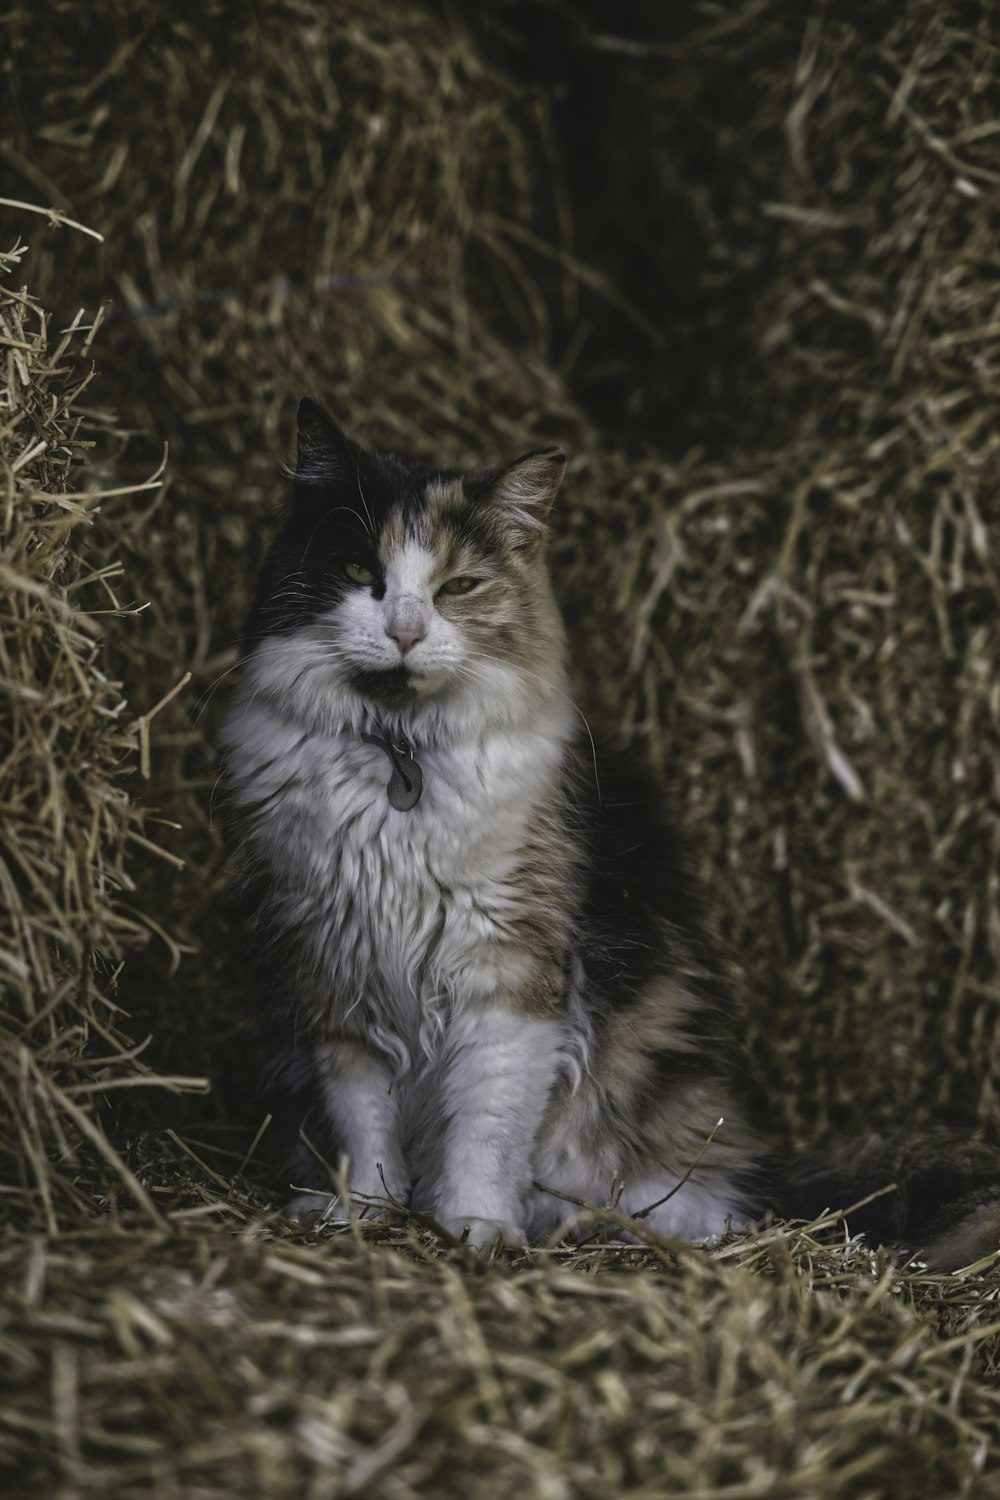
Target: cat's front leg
[358,1107]
[499,1068]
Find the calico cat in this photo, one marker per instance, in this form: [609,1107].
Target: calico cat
[488,987]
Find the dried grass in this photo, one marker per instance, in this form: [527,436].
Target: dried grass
[68,744]
[811,612]
[251,1362]
[801,628]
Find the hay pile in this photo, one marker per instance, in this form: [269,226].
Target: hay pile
[781,563]
[237,1363]
[68,742]
[813,647]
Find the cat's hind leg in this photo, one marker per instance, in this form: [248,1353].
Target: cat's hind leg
[673,1161]
[587,1193]
[696,1211]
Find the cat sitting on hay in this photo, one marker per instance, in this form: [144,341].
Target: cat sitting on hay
[487,979]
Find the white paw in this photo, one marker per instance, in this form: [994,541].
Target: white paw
[328,1208]
[485,1237]
[309,1208]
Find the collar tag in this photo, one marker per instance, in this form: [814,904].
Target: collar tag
[406,784]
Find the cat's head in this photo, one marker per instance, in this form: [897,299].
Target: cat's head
[419,594]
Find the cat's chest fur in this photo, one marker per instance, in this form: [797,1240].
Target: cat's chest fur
[404,914]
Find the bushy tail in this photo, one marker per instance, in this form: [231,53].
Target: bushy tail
[945,1206]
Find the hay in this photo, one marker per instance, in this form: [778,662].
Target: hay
[812,617]
[784,576]
[68,743]
[251,1363]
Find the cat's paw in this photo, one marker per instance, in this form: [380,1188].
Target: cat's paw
[313,1208]
[326,1208]
[485,1237]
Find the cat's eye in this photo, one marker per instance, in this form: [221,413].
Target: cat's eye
[458,585]
[358,573]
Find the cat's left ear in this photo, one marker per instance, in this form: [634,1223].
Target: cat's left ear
[325,457]
[524,491]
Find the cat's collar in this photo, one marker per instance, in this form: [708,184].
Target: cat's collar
[407,780]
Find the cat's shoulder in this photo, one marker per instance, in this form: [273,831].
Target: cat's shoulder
[641,867]
[613,790]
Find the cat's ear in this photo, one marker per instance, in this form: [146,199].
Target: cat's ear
[523,492]
[325,457]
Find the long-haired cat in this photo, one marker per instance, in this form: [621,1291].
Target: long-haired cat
[487,982]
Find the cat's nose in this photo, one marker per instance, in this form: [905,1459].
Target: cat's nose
[405,636]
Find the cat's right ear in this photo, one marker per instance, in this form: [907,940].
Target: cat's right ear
[325,457]
[523,493]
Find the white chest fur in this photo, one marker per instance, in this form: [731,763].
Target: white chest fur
[402,917]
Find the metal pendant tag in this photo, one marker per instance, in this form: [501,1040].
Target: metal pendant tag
[407,780]
[405,784]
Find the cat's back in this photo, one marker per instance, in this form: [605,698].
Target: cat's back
[642,911]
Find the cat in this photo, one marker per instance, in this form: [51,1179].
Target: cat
[489,989]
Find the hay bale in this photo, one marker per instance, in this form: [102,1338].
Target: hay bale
[810,197]
[67,743]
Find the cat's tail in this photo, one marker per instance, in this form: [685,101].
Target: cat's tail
[944,1203]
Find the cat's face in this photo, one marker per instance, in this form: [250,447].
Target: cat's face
[411,593]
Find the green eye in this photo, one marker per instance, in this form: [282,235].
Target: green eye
[358,573]
[458,585]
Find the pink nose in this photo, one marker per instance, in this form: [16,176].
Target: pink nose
[405,639]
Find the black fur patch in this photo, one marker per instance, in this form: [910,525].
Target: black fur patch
[342,497]
[392,687]
[938,1180]
[643,913]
